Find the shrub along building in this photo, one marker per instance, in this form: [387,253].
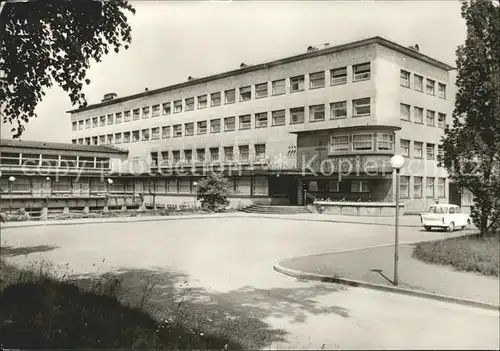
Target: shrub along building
[289,125]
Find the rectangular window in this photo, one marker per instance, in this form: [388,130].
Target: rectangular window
[102,139]
[260,186]
[278,117]
[360,186]
[405,147]
[145,112]
[333,186]
[228,153]
[245,122]
[229,124]
[166,108]
[200,155]
[440,153]
[404,186]
[155,133]
[296,84]
[362,142]
[189,104]
[229,96]
[338,76]
[201,127]
[316,80]
[172,186]
[176,156]
[338,109]
[418,147]
[245,93]
[242,186]
[81,125]
[118,118]
[441,187]
[156,110]
[165,132]
[87,140]
[297,115]
[214,154]
[261,120]
[278,87]
[404,79]
[417,187]
[73,141]
[177,106]
[361,72]
[429,186]
[88,123]
[102,121]
[80,141]
[165,157]
[118,138]
[430,151]
[185,186]
[418,115]
[215,99]
[430,118]
[260,151]
[361,107]
[94,139]
[441,120]
[188,156]
[189,129]
[95,121]
[126,137]
[215,125]
[109,139]
[317,113]
[418,82]
[145,134]
[339,143]
[110,119]
[136,114]
[385,142]
[442,90]
[260,90]
[127,116]
[75,126]
[177,130]
[404,110]
[202,101]
[429,86]
[244,152]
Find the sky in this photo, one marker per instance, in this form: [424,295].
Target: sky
[173,40]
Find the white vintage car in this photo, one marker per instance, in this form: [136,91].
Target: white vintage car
[445,216]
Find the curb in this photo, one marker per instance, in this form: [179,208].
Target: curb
[167,218]
[356,283]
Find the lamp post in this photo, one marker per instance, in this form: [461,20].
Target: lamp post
[195,184]
[110,182]
[49,191]
[12,179]
[397,162]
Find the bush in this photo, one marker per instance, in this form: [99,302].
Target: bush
[17,216]
[213,192]
[473,253]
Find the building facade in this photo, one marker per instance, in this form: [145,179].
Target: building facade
[326,121]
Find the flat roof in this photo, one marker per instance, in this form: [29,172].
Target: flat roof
[352,45]
[29,144]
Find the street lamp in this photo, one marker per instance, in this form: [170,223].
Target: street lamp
[397,162]
[110,182]
[12,179]
[195,184]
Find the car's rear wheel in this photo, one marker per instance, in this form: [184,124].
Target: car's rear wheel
[451,227]
[427,228]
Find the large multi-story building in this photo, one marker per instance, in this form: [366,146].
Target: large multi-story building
[326,121]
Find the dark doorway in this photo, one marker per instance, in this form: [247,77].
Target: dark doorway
[283,186]
[455,195]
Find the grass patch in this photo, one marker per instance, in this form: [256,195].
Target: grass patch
[44,311]
[471,253]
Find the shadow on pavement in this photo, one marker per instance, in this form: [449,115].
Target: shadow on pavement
[240,313]
[10,251]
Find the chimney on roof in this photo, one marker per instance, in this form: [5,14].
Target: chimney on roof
[327,45]
[414,47]
[191,78]
[312,48]
[243,65]
[146,89]
[108,97]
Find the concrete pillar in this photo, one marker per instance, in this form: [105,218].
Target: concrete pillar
[86,209]
[44,214]
[300,192]
[66,209]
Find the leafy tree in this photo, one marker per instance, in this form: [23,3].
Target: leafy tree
[43,42]
[213,191]
[472,145]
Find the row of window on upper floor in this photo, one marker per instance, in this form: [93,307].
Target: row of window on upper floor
[338,110]
[418,150]
[418,116]
[418,84]
[338,76]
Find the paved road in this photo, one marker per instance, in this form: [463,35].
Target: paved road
[227,264]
